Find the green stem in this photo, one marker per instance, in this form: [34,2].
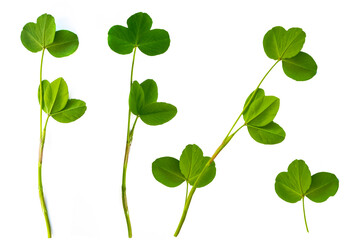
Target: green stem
[252,96]
[129,137]
[41,192]
[303,204]
[187,191]
[41,92]
[123,189]
[226,140]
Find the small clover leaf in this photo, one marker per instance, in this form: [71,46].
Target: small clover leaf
[57,103]
[293,185]
[123,40]
[259,115]
[142,102]
[172,172]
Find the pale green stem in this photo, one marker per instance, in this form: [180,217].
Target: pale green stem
[123,188]
[303,204]
[129,137]
[187,191]
[40,186]
[41,92]
[218,150]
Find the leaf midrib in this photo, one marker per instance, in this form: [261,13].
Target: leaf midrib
[318,188]
[289,44]
[249,121]
[174,173]
[300,66]
[290,188]
[264,129]
[32,36]
[57,44]
[66,110]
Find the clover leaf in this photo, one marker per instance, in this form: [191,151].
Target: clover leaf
[259,115]
[43,35]
[286,45]
[172,172]
[142,102]
[293,185]
[57,103]
[123,40]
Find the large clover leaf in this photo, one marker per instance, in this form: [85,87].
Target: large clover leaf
[43,35]
[123,40]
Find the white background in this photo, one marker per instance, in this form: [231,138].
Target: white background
[214,61]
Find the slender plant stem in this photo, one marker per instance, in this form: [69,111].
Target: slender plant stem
[187,191]
[303,204]
[41,92]
[40,186]
[123,188]
[226,140]
[129,137]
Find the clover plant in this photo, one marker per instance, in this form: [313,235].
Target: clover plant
[258,114]
[143,96]
[293,185]
[53,97]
